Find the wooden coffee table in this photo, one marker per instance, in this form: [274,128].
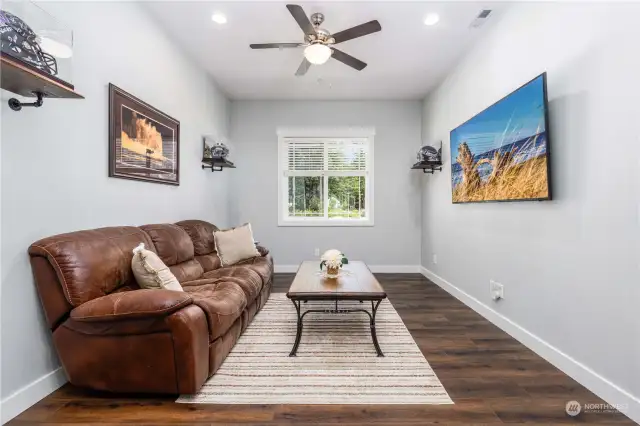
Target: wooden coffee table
[356,282]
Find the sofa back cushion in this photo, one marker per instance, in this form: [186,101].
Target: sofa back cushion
[175,249]
[88,264]
[201,233]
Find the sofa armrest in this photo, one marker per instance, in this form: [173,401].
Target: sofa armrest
[131,304]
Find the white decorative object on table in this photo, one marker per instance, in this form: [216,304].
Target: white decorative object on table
[333,260]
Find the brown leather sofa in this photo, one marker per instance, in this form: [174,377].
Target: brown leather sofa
[111,335]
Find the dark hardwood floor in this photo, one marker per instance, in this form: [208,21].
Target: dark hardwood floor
[491,378]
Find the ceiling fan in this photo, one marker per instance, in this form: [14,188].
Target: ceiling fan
[318,42]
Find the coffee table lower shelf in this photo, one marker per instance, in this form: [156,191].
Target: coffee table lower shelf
[297,302]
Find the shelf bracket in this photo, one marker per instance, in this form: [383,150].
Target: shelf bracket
[431,170]
[213,169]
[16,105]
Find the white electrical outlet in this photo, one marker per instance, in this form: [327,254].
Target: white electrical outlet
[316,251]
[435,259]
[496,289]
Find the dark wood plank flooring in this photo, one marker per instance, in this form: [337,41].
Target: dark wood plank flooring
[491,377]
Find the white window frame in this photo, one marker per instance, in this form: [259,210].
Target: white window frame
[320,133]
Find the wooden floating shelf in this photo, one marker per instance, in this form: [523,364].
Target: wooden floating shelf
[25,80]
[427,167]
[217,164]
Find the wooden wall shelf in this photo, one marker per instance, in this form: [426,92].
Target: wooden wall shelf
[25,80]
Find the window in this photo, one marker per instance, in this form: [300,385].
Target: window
[325,180]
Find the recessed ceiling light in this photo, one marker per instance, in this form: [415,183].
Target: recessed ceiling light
[219,18]
[431,19]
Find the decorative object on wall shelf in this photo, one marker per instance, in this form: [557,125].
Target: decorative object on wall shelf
[28,54]
[429,159]
[214,155]
[144,143]
[18,40]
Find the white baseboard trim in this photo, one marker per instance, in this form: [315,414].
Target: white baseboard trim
[605,389]
[395,269]
[284,269]
[376,269]
[28,395]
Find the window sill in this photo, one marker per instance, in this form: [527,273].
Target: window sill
[308,222]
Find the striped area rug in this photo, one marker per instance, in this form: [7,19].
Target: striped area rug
[336,361]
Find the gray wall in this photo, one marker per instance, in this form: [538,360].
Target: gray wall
[569,266]
[395,237]
[54,162]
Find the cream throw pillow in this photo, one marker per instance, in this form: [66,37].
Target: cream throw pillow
[235,244]
[151,272]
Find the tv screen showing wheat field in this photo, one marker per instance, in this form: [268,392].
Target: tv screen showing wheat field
[501,154]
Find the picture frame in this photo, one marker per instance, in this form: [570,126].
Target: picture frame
[502,154]
[144,142]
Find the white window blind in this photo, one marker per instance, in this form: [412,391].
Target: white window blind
[326,156]
[325,181]
[347,155]
[305,155]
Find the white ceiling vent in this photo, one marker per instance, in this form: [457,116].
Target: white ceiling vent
[480,19]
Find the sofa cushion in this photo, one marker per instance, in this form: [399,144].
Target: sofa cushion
[246,278]
[235,244]
[209,262]
[172,243]
[175,248]
[222,302]
[201,233]
[187,271]
[151,272]
[262,265]
[91,264]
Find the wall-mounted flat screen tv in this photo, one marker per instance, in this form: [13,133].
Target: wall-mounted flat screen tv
[502,154]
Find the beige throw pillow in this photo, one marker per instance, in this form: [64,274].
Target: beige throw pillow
[235,244]
[151,272]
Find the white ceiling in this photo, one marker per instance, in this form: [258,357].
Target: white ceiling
[405,60]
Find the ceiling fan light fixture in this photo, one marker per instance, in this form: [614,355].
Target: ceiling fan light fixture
[317,53]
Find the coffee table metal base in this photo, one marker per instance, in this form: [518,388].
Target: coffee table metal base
[336,310]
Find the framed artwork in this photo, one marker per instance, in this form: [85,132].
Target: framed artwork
[502,154]
[144,143]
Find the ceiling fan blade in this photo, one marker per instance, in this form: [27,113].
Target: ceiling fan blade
[348,59]
[301,18]
[303,68]
[275,45]
[357,31]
